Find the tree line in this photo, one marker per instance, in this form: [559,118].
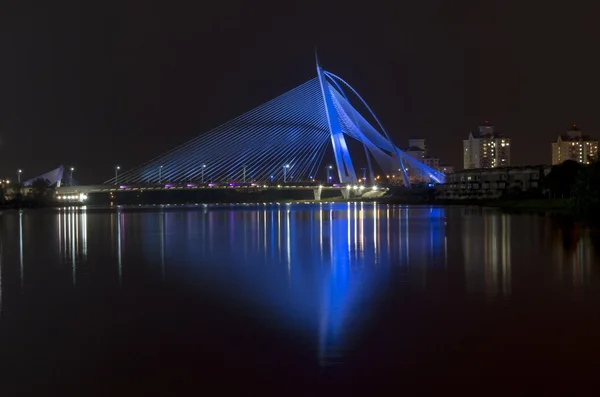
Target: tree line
[40,193]
[578,183]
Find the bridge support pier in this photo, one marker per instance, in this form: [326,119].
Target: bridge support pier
[346,193]
[317,194]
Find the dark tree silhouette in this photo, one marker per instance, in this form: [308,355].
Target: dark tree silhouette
[41,190]
[561,179]
[586,191]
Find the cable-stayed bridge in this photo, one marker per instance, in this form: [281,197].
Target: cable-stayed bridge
[285,141]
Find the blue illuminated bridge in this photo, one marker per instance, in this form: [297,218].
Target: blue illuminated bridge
[283,142]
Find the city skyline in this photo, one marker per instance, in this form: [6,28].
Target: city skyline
[418,149]
[122,86]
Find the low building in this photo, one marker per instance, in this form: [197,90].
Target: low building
[418,143]
[575,146]
[431,162]
[417,149]
[492,183]
[446,168]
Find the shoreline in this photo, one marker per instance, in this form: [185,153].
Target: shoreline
[557,206]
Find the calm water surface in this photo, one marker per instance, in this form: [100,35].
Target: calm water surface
[295,298]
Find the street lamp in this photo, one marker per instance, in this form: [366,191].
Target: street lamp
[71,176]
[19,175]
[328,174]
[117,168]
[203,167]
[160,174]
[285,167]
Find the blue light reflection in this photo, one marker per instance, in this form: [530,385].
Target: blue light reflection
[310,266]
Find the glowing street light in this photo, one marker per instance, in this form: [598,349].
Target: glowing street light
[71,176]
[328,174]
[117,168]
[19,175]
[285,168]
[203,167]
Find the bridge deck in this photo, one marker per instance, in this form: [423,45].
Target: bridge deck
[87,189]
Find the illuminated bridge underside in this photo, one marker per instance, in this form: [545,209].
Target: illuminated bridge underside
[284,139]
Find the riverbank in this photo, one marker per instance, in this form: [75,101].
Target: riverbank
[543,205]
[548,205]
[529,205]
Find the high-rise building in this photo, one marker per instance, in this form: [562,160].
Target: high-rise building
[486,149]
[576,146]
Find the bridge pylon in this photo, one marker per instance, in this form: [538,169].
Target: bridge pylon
[343,161]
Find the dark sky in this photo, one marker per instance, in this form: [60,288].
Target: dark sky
[94,84]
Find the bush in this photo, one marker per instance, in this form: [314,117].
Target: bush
[586,192]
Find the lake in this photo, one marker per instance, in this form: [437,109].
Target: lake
[294,299]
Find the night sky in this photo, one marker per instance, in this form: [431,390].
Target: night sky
[94,84]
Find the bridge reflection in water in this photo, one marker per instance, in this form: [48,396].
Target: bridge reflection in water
[317,269]
[311,266]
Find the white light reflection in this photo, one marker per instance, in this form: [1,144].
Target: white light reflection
[288,244]
[245,216]
[325,316]
[375,236]
[506,263]
[162,245]
[355,229]
[487,265]
[406,237]
[400,230]
[265,232]
[211,225]
[72,238]
[279,232]
[83,215]
[321,230]
[445,248]
[361,237]
[21,267]
[387,222]
[119,247]
[1,256]
[348,218]
[73,233]
[330,233]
